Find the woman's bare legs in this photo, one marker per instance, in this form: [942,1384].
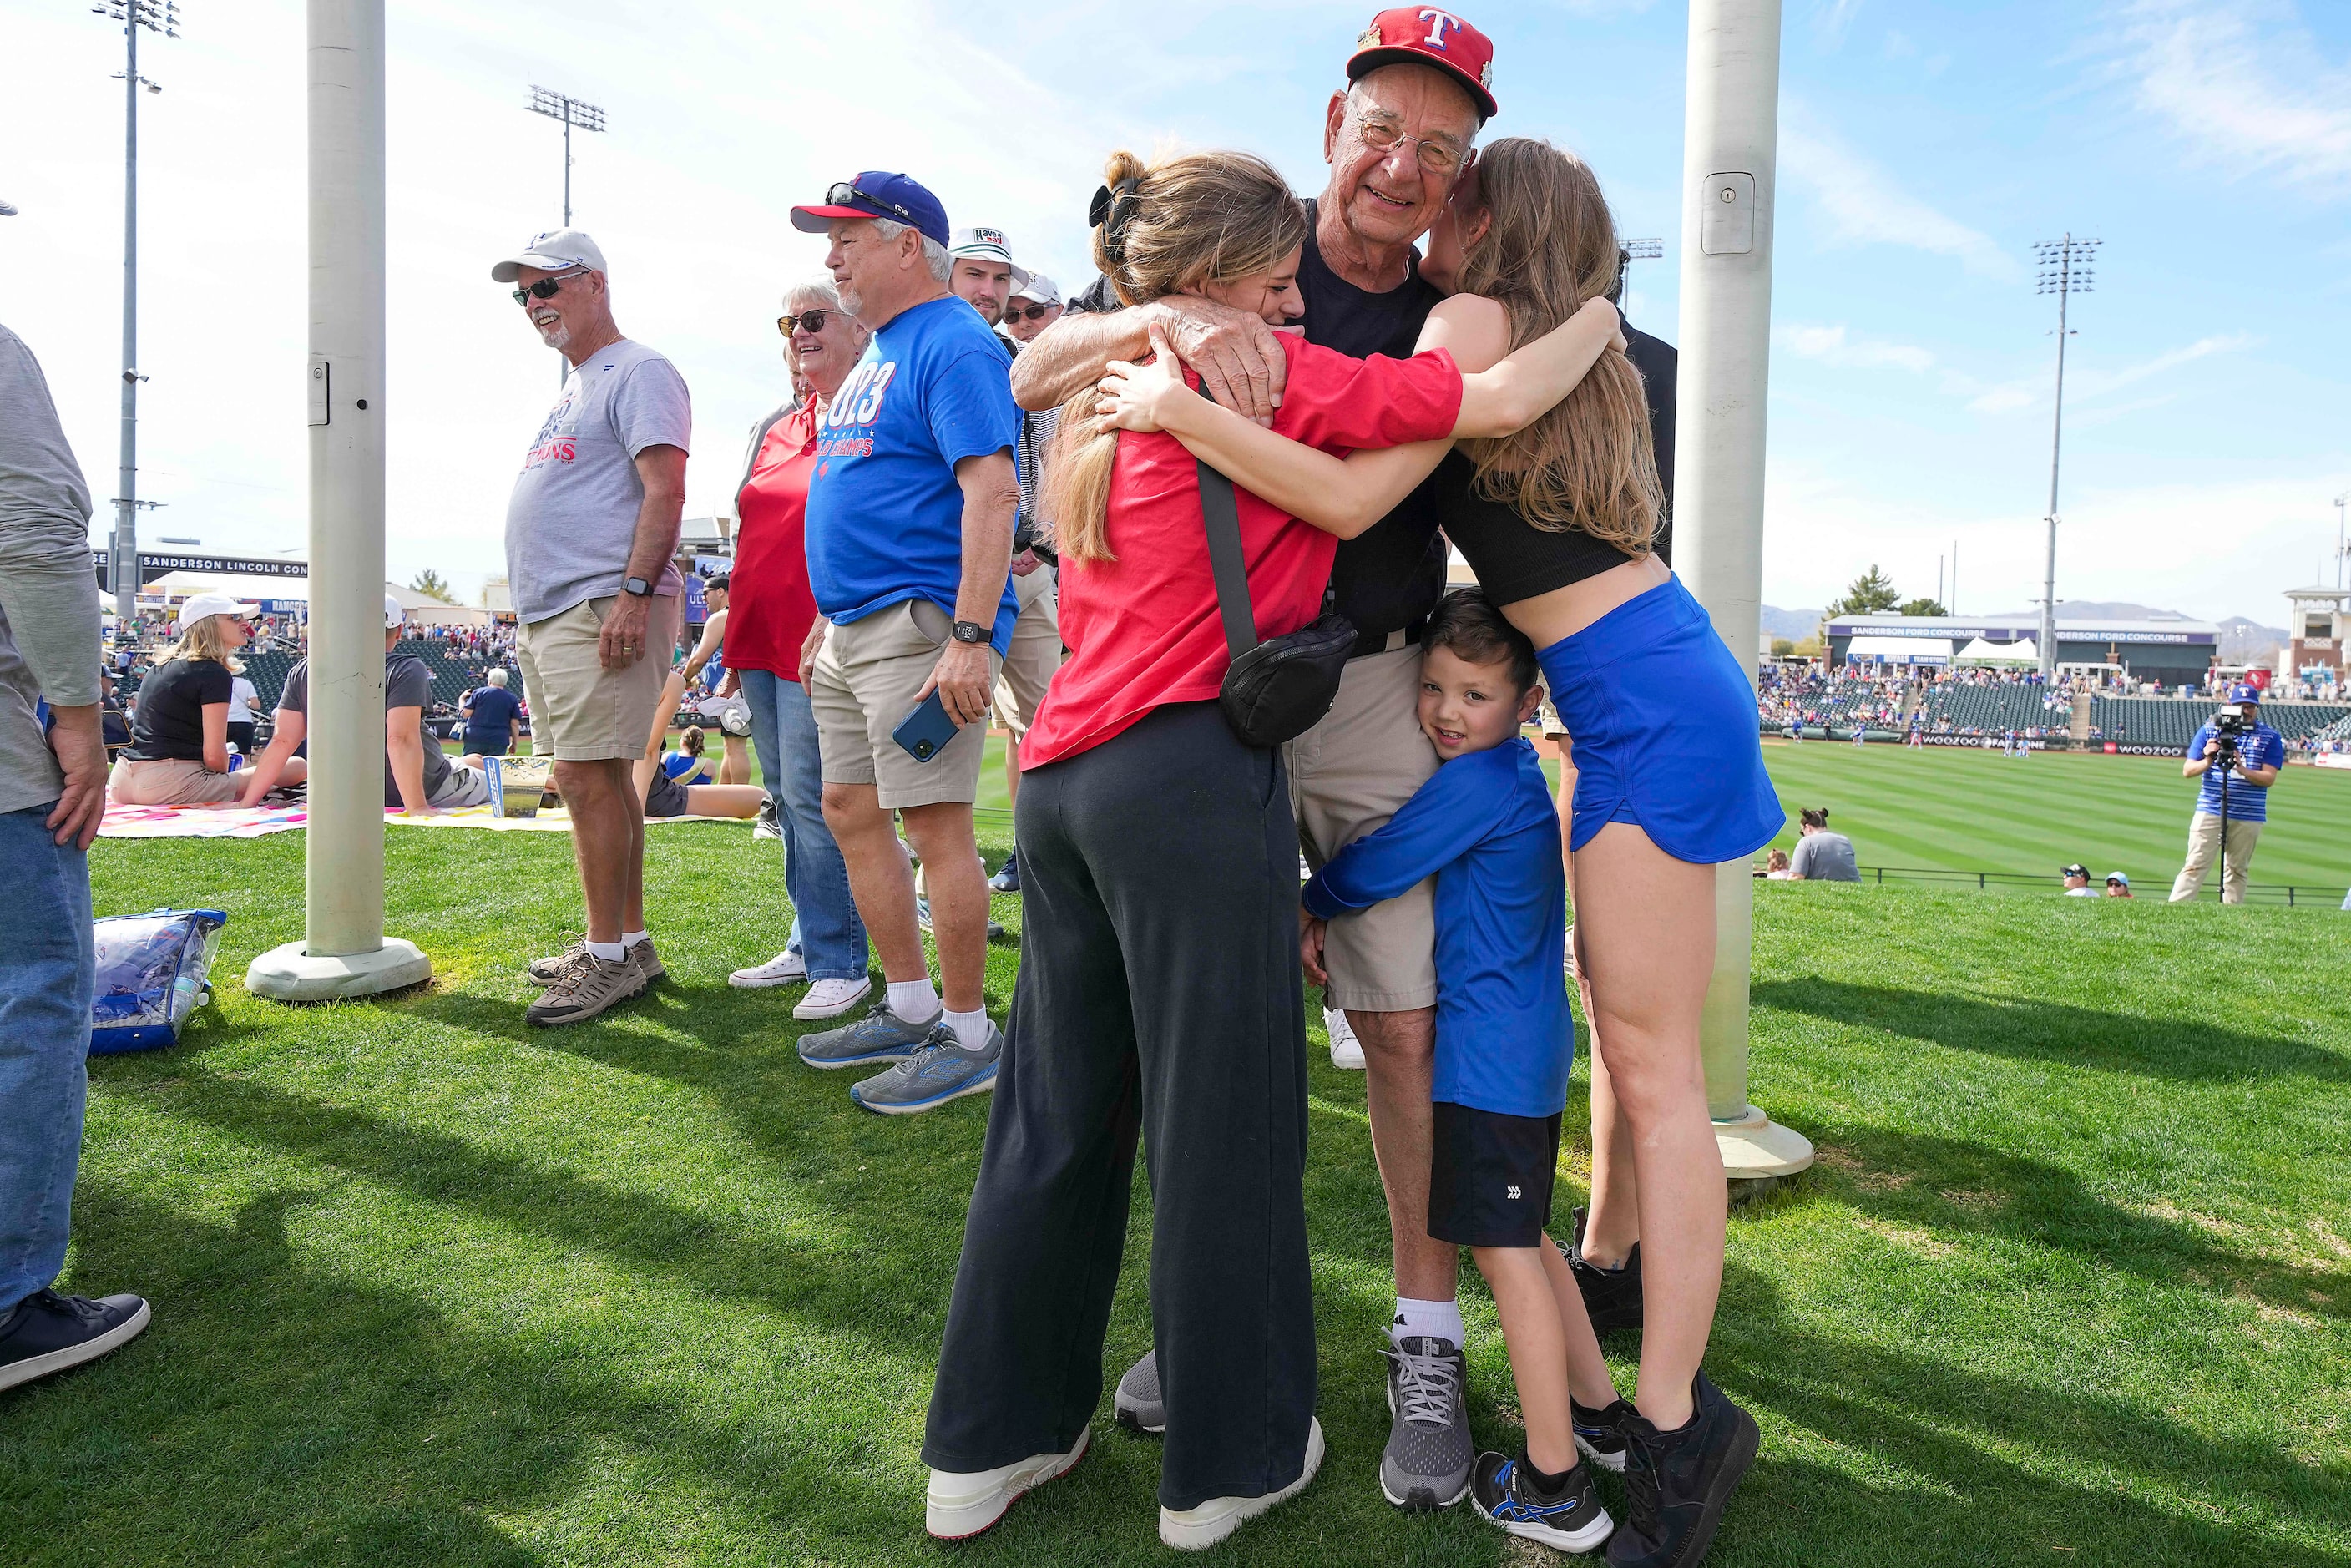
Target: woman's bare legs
[721,799]
[1645,924]
[1612,1225]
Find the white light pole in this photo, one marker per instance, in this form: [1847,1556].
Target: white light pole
[1728,169]
[2066,271]
[344,952]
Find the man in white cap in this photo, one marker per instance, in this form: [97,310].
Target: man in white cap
[980,271]
[591,533]
[1035,306]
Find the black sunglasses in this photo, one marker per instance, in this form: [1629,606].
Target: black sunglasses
[1013,312]
[806,321]
[847,192]
[545,288]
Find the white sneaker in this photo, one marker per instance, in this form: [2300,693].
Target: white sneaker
[783,970]
[961,1505]
[1197,1529]
[831,998]
[1346,1051]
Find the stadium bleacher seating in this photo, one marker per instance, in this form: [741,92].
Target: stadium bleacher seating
[2160,721]
[1991,710]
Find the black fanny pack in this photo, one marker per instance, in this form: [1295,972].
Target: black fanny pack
[1280,688]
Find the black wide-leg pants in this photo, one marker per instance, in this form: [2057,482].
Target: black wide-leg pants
[1159,994]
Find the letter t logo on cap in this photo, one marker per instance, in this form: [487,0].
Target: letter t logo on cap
[1438,21]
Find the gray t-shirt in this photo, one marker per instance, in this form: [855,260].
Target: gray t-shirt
[574,514]
[407,683]
[1824,857]
[48,595]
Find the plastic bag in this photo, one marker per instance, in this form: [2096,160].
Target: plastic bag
[153,971]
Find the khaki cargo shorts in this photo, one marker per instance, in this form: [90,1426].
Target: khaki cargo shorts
[1036,650]
[580,711]
[1348,776]
[862,688]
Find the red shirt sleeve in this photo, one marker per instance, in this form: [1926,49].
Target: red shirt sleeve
[1333,403]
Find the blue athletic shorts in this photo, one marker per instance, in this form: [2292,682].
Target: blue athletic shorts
[1663,725]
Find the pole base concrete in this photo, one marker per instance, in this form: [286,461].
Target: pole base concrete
[1755,1148]
[290,974]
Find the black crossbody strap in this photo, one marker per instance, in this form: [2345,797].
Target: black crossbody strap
[1221,512]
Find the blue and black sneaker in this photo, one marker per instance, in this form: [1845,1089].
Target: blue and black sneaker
[1600,1434]
[1568,1520]
[939,1071]
[1008,879]
[878,1038]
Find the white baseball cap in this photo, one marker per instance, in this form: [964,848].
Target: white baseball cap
[1040,288]
[197,606]
[393,614]
[985,244]
[556,250]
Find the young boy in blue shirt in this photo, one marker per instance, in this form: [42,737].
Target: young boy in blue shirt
[1485,825]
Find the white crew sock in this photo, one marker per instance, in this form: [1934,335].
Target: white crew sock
[913,1000]
[1441,1320]
[970,1029]
[631,938]
[610,952]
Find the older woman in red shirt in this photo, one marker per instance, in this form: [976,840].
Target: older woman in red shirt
[770,611]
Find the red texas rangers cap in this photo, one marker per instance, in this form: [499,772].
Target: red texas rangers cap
[1426,35]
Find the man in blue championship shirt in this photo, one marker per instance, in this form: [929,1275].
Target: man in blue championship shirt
[909,518]
[2238,777]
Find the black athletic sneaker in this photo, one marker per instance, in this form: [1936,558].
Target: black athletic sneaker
[1600,1434]
[1612,1297]
[46,1333]
[1568,1520]
[1677,1483]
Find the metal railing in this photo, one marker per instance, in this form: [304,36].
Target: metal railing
[2286,893]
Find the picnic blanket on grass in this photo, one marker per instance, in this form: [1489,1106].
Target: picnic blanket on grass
[253,821]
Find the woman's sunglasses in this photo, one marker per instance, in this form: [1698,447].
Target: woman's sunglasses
[1013,312]
[806,321]
[545,288]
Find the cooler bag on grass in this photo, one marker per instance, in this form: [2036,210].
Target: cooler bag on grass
[153,971]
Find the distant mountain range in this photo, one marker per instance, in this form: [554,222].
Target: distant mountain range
[2243,640]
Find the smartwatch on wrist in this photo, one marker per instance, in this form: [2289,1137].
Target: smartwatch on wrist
[969,632]
[637,586]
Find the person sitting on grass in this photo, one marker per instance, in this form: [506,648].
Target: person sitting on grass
[2117,885]
[674,792]
[1485,826]
[687,764]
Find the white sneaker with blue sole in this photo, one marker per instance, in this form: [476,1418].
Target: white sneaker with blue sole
[941,1069]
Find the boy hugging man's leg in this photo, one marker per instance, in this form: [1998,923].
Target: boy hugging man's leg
[1485,825]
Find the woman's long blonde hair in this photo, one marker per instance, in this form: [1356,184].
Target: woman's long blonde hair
[1203,217]
[1588,464]
[202,641]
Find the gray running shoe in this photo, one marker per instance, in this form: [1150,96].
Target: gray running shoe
[547,970]
[941,1069]
[880,1037]
[923,919]
[1429,1457]
[585,989]
[1140,1408]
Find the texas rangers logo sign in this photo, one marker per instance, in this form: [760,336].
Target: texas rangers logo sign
[1439,24]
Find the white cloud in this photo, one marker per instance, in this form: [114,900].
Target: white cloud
[1835,346]
[1866,205]
[2255,97]
[1831,18]
[2085,385]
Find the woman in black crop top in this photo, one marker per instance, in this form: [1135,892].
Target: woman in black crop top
[1558,523]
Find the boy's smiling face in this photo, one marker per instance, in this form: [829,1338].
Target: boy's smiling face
[1467,707]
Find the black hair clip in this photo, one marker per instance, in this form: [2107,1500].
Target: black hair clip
[1112,208]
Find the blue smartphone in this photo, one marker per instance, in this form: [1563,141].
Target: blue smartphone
[925,733]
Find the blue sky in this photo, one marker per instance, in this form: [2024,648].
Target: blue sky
[1925,147]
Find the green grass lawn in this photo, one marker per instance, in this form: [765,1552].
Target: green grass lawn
[2071,1284]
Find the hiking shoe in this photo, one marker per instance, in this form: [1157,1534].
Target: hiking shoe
[586,989]
[1600,1434]
[1197,1529]
[547,970]
[46,1333]
[1612,1297]
[1677,1483]
[880,1036]
[1346,1051]
[1140,1408]
[647,961]
[1429,1455]
[1008,879]
[960,1504]
[939,1071]
[923,919]
[1568,1520]
[831,998]
[765,825]
[784,970]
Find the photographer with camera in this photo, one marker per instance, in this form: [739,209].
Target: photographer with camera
[2238,758]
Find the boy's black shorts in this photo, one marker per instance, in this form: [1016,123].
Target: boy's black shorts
[1490,1177]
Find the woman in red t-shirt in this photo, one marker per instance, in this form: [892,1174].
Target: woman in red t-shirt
[1159,983]
[770,611]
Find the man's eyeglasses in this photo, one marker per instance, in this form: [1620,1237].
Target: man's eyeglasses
[1385,133]
[1015,312]
[546,287]
[846,193]
[806,321]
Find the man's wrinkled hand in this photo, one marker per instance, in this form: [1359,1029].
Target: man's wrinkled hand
[962,677]
[79,743]
[1238,358]
[622,641]
[1312,931]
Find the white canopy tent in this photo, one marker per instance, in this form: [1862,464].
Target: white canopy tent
[1978,652]
[1900,650]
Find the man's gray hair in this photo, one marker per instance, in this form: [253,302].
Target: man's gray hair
[942,264]
[498,677]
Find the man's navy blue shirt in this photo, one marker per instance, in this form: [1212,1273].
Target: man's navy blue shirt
[2260,747]
[1486,827]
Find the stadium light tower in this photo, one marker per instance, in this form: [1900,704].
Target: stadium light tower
[1729,162]
[572,111]
[122,556]
[344,951]
[2342,547]
[1631,251]
[2066,269]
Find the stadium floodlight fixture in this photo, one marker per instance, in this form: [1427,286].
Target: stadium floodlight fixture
[2066,266]
[1631,251]
[574,113]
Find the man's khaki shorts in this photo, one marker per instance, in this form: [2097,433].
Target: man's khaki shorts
[580,711]
[862,688]
[1036,652]
[1348,776]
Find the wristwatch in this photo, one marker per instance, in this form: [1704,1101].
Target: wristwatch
[969,632]
[638,586]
